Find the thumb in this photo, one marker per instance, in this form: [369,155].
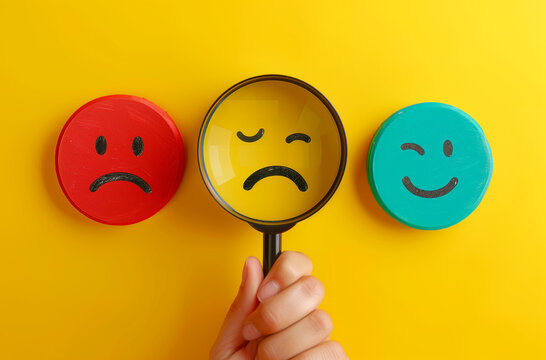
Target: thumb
[230,340]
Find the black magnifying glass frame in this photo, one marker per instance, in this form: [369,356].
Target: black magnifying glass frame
[272,232]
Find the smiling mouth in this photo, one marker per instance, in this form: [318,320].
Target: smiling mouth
[275,171]
[429,194]
[120,176]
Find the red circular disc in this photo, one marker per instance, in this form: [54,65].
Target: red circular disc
[119,159]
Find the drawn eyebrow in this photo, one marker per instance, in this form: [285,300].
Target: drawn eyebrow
[412,146]
[298,136]
[252,138]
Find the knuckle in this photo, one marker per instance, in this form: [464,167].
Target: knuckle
[293,264]
[312,287]
[289,271]
[286,257]
[301,256]
[306,260]
[321,322]
[270,319]
[266,350]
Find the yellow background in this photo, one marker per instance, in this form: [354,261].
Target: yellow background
[71,288]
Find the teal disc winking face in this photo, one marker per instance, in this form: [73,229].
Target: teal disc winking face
[429,165]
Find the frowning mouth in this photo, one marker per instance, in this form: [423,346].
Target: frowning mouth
[275,171]
[120,176]
[429,194]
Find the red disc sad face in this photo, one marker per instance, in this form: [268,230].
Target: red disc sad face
[120,159]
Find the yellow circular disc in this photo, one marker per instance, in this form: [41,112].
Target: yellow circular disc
[272,150]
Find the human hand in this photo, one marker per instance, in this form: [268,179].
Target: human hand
[277,318]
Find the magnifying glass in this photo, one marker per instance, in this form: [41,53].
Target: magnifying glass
[272,151]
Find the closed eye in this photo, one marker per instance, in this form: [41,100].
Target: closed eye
[412,146]
[252,138]
[298,136]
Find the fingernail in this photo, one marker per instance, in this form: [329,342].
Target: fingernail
[244,274]
[250,332]
[268,290]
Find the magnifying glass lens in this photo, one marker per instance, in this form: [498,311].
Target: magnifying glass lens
[271,151]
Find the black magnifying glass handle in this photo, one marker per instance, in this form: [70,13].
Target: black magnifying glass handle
[272,250]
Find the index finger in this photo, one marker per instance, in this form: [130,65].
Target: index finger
[289,267]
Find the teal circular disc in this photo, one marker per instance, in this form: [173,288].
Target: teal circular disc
[429,165]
